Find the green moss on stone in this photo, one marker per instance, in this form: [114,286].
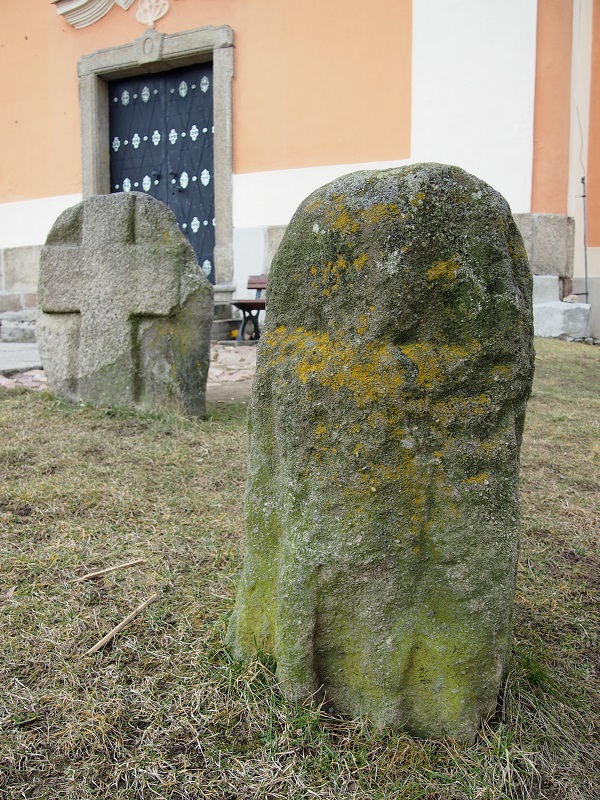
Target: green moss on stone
[382,502]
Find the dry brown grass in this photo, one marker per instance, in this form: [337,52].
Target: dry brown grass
[162,712]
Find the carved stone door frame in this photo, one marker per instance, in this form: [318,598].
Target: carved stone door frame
[158,52]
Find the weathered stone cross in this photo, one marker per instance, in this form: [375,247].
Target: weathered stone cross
[111,266]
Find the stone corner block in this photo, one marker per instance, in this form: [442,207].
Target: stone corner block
[550,241]
[552,320]
[21,268]
[11,301]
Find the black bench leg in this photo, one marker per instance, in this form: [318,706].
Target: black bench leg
[251,319]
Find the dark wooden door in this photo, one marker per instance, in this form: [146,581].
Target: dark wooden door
[161,134]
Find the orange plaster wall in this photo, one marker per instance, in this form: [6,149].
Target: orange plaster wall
[593,173]
[552,107]
[317,82]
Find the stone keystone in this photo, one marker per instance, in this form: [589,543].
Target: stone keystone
[382,508]
[124,309]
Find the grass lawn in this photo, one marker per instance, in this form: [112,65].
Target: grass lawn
[161,712]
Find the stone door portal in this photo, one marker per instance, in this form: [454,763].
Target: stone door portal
[161,135]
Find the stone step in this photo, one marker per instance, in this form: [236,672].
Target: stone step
[18,326]
[552,317]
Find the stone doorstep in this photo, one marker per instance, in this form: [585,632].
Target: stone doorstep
[17,357]
[227,363]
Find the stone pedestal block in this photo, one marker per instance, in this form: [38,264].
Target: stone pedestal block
[549,241]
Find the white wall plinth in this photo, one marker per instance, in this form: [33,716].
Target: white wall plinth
[553,318]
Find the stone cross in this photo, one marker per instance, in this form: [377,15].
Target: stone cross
[382,508]
[116,278]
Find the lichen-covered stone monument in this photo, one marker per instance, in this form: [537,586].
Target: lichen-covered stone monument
[382,509]
[124,311]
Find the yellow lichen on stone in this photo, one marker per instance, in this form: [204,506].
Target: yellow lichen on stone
[481,479]
[360,262]
[433,362]
[417,200]
[445,271]
[340,218]
[378,211]
[345,223]
[363,324]
[368,373]
[331,276]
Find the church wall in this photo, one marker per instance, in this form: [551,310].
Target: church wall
[322,88]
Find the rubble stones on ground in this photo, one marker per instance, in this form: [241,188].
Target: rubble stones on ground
[382,508]
[30,379]
[229,363]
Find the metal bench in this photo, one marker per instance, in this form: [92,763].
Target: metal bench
[249,330]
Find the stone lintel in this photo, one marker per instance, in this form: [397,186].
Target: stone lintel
[187,44]
[164,51]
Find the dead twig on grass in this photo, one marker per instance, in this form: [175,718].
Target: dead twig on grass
[97,574]
[111,634]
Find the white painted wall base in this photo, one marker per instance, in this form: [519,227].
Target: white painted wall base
[29,222]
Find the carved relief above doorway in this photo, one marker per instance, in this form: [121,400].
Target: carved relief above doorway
[80,13]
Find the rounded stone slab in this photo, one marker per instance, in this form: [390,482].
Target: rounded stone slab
[382,509]
[124,310]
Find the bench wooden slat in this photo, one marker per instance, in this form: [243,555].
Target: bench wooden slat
[257,282]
